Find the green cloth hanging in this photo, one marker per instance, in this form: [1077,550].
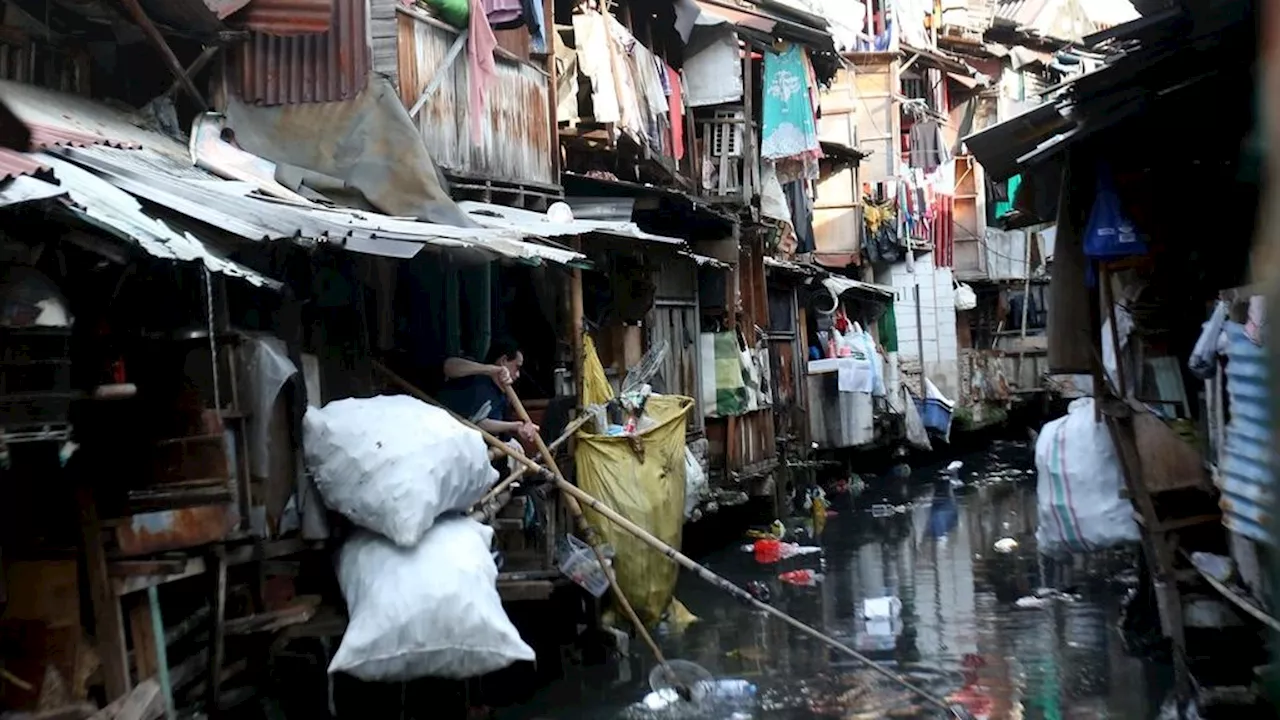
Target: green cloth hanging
[888,327]
[1005,207]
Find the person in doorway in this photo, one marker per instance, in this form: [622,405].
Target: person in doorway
[469,385]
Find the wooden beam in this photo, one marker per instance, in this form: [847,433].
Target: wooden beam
[144,640]
[217,640]
[108,619]
[166,53]
[205,57]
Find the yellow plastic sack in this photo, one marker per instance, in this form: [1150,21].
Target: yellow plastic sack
[649,492]
[596,389]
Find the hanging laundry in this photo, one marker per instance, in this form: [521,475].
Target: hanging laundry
[927,150]
[790,131]
[801,215]
[621,49]
[676,104]
[537,27]
[596,61]
[481,69]
[503,14]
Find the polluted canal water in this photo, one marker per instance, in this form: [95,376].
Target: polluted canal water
[947,588]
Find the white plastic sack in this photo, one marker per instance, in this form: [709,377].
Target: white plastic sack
[430,611]
[1078,491]
[393,464]
[966,298]
[695,483]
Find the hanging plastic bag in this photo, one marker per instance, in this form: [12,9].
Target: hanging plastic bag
[1110,233]
[966,298]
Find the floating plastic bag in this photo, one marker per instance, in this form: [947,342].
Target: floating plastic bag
[578,563]
[1078,492]
[393,464]
[695,483]
[429,611]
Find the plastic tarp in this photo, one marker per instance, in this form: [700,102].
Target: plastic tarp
[646,487]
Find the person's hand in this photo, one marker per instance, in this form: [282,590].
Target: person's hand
[528,432]
[500,375]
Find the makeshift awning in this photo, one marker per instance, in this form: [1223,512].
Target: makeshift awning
[1001,147]
[766,23]
[234,207]
[160,172]
[528,222]
[839,285]
[119,213]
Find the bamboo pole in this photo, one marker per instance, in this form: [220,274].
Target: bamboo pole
[584,526]
[687,563]
[569,430]
[574,507]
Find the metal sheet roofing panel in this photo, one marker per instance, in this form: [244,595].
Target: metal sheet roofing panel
[230,207]
[287,17]
[99,202]
[541,225]
[328,67]
[14,164]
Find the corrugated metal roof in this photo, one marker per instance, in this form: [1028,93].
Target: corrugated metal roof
[201,17]
[277,17]
[106,206]
[1020,12]
[45,136]
[331,66]
[1246,478]
[14,164]
[287,17]
[28,189]
[230,207]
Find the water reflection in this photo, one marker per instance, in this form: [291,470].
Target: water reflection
[923,589]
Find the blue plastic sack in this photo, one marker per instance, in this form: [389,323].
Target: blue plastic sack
[1110,233]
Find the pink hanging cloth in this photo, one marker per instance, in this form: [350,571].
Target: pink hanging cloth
[481,69]
[675,105]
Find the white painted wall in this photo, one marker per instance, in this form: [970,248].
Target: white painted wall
[937,336]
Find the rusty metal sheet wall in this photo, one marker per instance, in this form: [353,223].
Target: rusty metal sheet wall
[517,144]
[325,67]
[288,17]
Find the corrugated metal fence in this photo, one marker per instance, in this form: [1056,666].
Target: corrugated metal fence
[1247,497]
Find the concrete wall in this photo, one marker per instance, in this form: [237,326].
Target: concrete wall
[937,336]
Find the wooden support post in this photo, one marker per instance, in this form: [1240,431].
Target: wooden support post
[108,619]
[218,564]
[1158,546]
[144,640]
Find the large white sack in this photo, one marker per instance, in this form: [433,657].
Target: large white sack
[1079,483]
[393,464]
[429,611]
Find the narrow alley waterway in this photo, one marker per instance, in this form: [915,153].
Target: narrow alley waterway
[971,626]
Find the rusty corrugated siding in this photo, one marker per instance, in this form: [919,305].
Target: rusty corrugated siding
[288,17]
[517,144]
[328,67]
